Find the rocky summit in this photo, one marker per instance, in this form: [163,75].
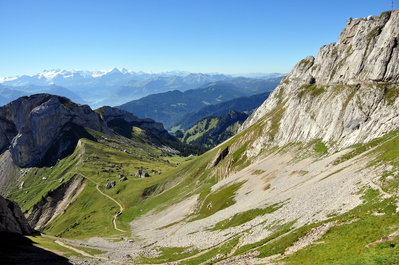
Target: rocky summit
[346,95]
[31,126]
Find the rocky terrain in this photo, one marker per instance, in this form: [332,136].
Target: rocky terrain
[31,125]
[12,219]
[346,95]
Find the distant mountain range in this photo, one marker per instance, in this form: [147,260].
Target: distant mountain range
[110,87]
[169,107]
[241,104]
[9,93]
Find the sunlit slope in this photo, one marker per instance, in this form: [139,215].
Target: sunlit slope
[290,201]
[71,190]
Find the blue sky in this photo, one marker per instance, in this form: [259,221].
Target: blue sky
[235,36]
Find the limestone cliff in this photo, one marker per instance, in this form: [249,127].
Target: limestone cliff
[30,125]
[346,95]
[45,127]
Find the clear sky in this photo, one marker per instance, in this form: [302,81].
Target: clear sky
[225,36]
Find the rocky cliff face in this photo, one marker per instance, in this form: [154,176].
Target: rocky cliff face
[346,95]
[12,219]
[31,126]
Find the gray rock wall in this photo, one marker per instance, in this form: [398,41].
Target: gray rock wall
[38,121]
[30,125]
[12,219]
[346,95]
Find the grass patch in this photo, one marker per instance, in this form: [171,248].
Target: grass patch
[214,255]
[346,243]
[168,255]
[335,172]
[212,202]
[257,172]
[48,243]
[241,218]
[278,230]
[391,92]
[361,148]
[313,90]
[237,154]
[279,245]
[320,147]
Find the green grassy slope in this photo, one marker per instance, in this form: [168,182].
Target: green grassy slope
[212,130]
[170,106]
[96,163]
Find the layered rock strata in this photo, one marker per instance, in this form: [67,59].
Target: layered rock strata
[346,95]
[30,126]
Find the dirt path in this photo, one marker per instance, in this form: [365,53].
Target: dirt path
[85,254]
[73,249]
[121,208]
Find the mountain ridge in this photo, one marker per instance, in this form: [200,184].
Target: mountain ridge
[243,104]
[30,125]
[362,101]
[212,130]
[115,86]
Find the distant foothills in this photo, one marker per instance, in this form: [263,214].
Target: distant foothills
[118,86]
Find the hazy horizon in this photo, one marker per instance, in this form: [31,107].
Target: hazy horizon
[257,36]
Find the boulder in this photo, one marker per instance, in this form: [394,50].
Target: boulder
[141,174]
[110,185]
[122,178]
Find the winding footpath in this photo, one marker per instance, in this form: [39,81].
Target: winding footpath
[121,208]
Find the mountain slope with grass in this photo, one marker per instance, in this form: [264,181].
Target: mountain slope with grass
[213,130]
[45,141]
[311,178]
[242,104]
[169,106]
[312,170]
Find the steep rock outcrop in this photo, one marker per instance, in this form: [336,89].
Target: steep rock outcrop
[346,95]
[12,219]
[366,52]
[43,128]
[30,125]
